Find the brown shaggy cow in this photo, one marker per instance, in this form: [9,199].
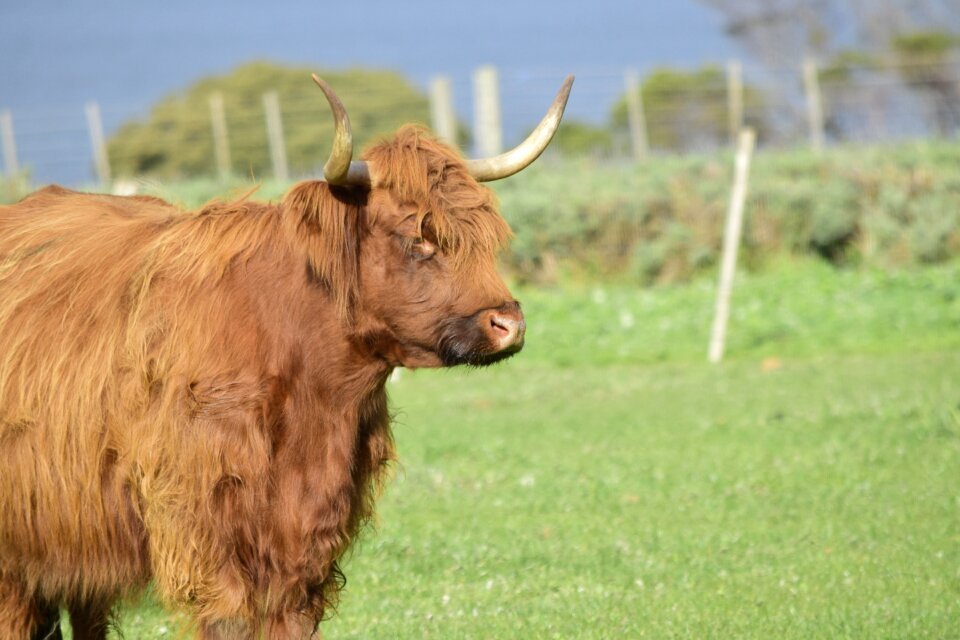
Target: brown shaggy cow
[197,398]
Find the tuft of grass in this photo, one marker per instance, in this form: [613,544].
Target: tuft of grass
[608,482]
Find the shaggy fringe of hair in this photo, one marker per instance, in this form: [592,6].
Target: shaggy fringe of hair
[419,169]
[325,220]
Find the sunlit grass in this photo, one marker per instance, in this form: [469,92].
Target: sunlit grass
[608,483]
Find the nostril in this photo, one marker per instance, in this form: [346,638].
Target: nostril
[501,325]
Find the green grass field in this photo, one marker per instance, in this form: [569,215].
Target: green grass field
[609,483]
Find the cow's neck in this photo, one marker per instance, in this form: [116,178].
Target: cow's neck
[334,445]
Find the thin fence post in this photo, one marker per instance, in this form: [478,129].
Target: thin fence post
[487,127]
[221,143]
[442,116]
[735,99]
[811,85]
[731,242]
[635,116]
[101,160]
[10,163]
[278,147]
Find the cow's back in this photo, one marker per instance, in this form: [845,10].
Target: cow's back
[70,264]
[104,300]
[163,414]
[68,269]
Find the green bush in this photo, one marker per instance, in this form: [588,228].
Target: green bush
[688,110]
[176,139]
[578,139]
[662,221]
[834,219]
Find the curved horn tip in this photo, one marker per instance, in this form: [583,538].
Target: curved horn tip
[326,88]
[339,168]
[565,88]
[521,156]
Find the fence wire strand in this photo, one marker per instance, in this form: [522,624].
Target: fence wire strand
[879,101]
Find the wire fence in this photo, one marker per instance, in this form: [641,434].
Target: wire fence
[868,102]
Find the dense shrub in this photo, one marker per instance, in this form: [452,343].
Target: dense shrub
[662,220]
[576,138]
[176,139]
[687,110]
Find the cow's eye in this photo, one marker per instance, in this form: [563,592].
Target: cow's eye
[417,248]
[421,249]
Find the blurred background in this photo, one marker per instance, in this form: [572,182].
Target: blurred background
[880,71]
[608,481]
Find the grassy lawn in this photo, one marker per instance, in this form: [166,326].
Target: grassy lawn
[608,483]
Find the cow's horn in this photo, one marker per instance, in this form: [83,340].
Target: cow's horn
[518,158]
[340,169]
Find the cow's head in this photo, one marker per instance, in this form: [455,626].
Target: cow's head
[407,242]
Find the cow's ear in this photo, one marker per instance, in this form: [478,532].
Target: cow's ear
[325,220]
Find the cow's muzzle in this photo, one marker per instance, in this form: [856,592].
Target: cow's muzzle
[505,327]
[485,337]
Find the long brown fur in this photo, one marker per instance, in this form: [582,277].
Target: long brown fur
[195,398]
[419,169]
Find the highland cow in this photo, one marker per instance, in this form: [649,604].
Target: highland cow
[196,398]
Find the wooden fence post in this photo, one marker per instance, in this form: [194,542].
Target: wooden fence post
[10,163]
[278,147]
[101,160]
[442,116]
[487,128]
[735,99]
[811,85]
[731,242]
[635,116]
[221,143]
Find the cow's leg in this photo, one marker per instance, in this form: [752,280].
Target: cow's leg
[48,625]
[293,626]
[89,620]
[23,617]
[226,630]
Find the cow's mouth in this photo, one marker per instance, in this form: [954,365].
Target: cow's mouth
[483,338]
[452,353]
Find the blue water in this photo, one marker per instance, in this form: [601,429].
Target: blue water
[56,56]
